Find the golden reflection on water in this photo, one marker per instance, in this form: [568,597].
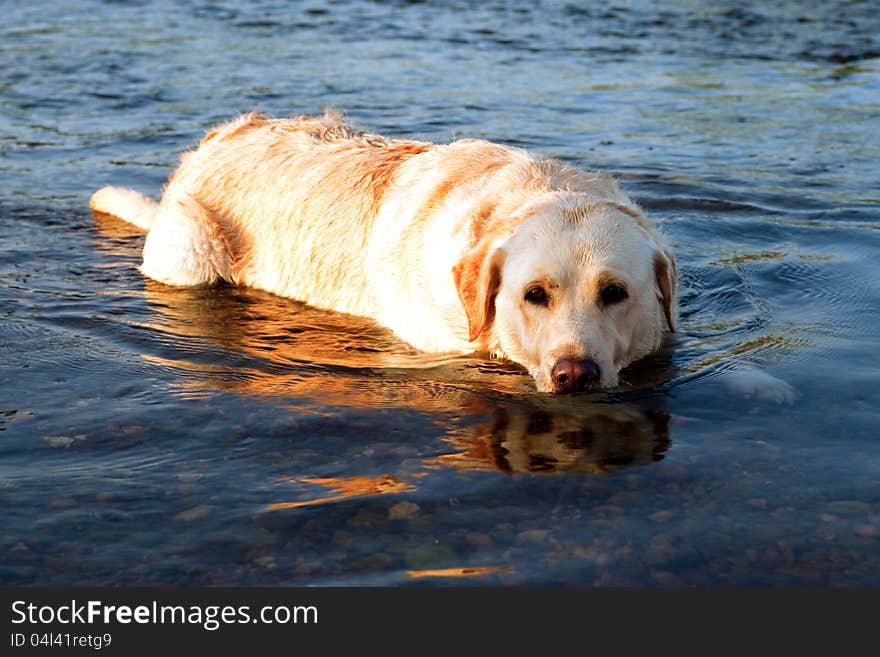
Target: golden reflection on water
[474,571]
[346,487]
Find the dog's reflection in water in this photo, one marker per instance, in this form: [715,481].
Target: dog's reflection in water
[589,438]
[255,343]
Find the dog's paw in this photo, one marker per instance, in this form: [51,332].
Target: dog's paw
[752,383]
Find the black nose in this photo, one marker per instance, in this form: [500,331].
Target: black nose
[571,374]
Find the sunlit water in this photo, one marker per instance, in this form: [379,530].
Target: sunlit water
[188,436]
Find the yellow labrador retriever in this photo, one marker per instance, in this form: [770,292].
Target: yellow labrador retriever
[462,247]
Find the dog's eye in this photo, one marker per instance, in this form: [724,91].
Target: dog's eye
[614,293]
[537,295]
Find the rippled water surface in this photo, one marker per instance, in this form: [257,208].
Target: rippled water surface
[218,436]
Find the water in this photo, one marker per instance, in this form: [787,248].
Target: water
[151,435]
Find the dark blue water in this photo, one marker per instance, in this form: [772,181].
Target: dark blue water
[152,435]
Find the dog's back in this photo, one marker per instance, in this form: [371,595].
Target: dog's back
[254,188]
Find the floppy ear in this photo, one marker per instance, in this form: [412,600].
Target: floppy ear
[667,275]
[477,279]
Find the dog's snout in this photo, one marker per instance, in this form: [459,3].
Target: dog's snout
[572,374]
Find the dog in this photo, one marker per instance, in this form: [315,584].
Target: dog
[464,247]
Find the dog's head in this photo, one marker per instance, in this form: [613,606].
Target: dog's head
[577,291]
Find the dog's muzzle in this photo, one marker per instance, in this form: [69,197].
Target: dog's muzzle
[574,374]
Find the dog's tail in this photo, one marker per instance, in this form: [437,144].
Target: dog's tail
[126,204]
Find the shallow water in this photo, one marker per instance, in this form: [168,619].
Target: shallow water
[155,435]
